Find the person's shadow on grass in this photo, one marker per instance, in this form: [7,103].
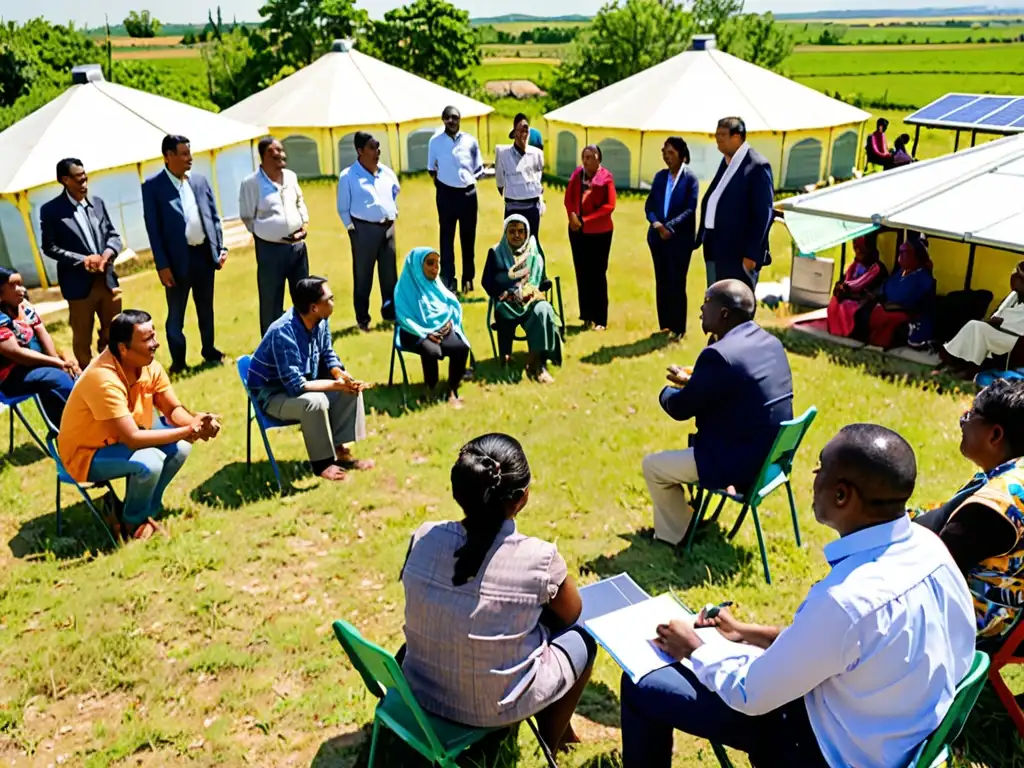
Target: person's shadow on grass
[606,355]
[81,534]
[234,486]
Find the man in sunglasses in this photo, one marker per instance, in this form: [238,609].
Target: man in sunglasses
[983,524]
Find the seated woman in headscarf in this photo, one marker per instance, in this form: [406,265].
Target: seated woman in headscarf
[865,275]
[515,278]
[430,320]
[901,310]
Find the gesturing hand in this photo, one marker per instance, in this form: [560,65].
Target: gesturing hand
[678,639]
[677,376]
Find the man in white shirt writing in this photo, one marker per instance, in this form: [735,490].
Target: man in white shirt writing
[869,666]
[271,206]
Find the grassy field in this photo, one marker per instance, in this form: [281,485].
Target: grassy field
[214,647]
[515,27]
[919,32]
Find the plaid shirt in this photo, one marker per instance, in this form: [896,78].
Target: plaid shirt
[289,356]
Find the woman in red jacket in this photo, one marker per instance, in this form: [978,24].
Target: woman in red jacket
[589,203]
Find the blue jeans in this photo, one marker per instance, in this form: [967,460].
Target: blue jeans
[149,472]
[53,386]
[673,698]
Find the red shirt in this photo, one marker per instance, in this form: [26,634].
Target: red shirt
[593,201]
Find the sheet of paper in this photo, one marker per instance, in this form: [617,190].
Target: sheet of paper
[627,634]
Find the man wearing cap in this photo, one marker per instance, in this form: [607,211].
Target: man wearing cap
[518,173]
[455,163]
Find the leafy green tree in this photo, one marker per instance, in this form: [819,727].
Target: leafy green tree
[757,38]
[177,84]
[38,54]
[298,32]
[431,38]
[230,73]
[141,24]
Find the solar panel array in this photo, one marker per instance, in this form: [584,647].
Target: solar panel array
[973,112]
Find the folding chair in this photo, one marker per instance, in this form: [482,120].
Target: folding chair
[492,326]
[774,473]
[12,404]
[439,740]
[934,751]
[396,351]
[63,477]
[1008,655]
[263,421]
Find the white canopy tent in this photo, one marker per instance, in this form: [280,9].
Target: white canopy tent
[116,132]
[805,134]
[317,110]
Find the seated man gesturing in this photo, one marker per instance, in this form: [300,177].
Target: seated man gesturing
[740,390]
[296,375]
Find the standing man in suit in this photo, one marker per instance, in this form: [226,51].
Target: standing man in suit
[736,213]
[79,236]
[188,246]
[739,391]
[455,163]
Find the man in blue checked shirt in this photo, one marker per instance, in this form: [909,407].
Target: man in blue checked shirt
[367,205]
[295,375]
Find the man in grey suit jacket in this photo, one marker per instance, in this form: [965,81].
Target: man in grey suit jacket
[736,212]
[79,236]
[188,246]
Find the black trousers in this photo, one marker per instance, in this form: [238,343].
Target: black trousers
[590,258]
[671,265]
[198,281]
[275,264]
[373,245]
[531,214]
[452,346]
[728,266]
[457,207]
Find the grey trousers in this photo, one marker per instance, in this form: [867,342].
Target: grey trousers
[328,419]
[373,245]
[275,264]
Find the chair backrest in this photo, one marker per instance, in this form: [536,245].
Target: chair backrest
[966,695]
[50,426]
[380,672]
[243,373]
[787,442]
[51,447]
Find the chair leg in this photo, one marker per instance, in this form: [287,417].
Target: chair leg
[494,345]
[561,311]
[1006,697]
[373,742]
[10,448]
[60,525]
[722,755]
[405,380]
[17,411]
[760,544]
[718,510]
[792,509]
[391,370]
[699,512]
[739,521]
[273,462]
[96,514]
[544,748]
[248,434]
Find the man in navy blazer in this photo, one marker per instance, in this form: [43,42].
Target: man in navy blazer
[79,236]
[736,212]
[188,246]
[740,390]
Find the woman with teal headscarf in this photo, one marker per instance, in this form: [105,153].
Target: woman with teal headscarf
[515,277]
[430,320]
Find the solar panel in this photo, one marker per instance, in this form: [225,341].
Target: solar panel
[1008,115]
[973,112]
[1019,124]
[943,106]
[977,110]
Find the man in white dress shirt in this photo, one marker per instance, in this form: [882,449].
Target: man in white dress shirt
[271,206]
[869,666]
[455,163]
[518,174]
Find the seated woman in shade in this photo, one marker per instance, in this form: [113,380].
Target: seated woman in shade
[29,363]
[515,277]
[979,340]
[900,155]
[430,320]
[865,275]
[901,310]
[489,612]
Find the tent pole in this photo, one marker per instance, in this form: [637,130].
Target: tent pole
[917,138]
[782,161]
[828,154]
[213,179]
[640,166]
[974,137]
[970,267]
[334,151]
[22,200]
[398,141]
[842,261]
[956,142]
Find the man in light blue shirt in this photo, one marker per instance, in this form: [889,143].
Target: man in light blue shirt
[367,205]
[867,669]
[454,160]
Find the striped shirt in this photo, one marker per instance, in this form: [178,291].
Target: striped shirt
[291,355]
[519,175]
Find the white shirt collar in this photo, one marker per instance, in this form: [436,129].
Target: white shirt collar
[84,203]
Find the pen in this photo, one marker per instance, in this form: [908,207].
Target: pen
[711,611]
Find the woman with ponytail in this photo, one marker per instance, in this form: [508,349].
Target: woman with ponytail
[487,607]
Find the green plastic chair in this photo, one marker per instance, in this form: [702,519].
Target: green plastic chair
[774,474]
[934,751]
[439,740]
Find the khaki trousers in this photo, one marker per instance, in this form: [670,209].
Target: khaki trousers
[101,302]
[666,473]
[329,419]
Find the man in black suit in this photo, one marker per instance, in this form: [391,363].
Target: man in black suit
[79,236]
[738,392]
[736,212]
[187,241]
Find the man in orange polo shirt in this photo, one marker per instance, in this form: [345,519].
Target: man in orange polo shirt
[108,430]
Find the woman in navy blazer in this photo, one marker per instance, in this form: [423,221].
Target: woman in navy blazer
[671,209]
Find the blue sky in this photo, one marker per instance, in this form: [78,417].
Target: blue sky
[91,12]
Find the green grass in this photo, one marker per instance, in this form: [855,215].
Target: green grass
[214,647]
[810,32]
[515,27]
[537,71]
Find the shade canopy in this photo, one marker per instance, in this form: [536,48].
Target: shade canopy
[346,87]
[974,196]
[690,92]
[106,126]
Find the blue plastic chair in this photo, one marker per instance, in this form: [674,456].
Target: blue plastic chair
[396,351]
[63,478]
[255,413]
[12,404]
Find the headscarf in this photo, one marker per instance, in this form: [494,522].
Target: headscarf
[532,271]
[423,306]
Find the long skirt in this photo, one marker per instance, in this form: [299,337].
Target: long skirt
[840,318]
[977,341]
[540,323]
[887,329]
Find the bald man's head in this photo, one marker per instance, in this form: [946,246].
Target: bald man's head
[867,476]
[727,303]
